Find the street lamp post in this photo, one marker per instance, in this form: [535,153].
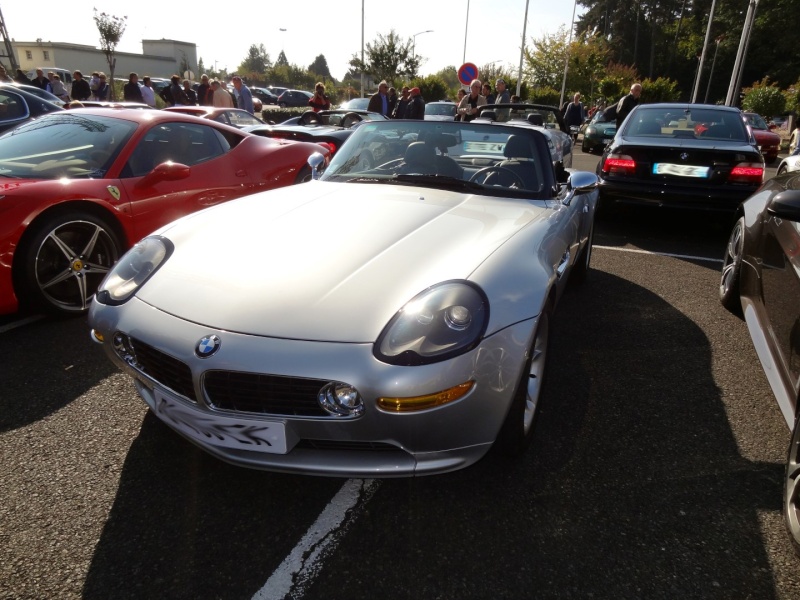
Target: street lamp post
[414,47]
[283,38]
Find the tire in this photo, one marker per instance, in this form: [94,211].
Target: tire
[791,489]
[581,268]
[64,261]
[732,270]
[585,149]
[781,169]
[517,431]
[304,175]
[282,104]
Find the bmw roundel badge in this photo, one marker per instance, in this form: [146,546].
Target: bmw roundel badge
[207,346]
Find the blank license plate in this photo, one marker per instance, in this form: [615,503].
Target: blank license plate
[218,430]
[680,170]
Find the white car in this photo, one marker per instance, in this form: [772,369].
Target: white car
[789,164]
[389,319]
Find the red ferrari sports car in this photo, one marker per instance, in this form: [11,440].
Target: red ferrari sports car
[77,188]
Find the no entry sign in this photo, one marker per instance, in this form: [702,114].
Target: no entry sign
[467,72]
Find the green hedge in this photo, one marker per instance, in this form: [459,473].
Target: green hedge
[276,114]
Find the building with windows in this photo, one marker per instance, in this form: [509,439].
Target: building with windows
[160,58]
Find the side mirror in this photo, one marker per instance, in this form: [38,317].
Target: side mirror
[786,205]
[168,171]
[315,161]
[580,183]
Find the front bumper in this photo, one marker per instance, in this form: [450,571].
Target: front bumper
[378,443]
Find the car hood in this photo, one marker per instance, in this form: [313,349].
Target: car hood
[326,261]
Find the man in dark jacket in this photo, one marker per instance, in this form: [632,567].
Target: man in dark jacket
[131,91]
[379,101]
[627,102]
[202,91]
[80,87]
[416,105]
[402,103]
[41,81]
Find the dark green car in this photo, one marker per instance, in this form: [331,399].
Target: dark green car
[599,131]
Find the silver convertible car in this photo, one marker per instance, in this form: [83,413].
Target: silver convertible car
[389,318]
[761,282]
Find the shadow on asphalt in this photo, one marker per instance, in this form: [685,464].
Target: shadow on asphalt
[40,378]
[633,489]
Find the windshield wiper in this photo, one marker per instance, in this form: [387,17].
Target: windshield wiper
[452,182]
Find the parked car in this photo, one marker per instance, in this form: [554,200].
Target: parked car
[37,91]
[328,127]
[18,106]
[355,104]
[761,281]
[440,111]
[599,131]
[111,104]
[294,98]
[276,90]
[235,117]
[768,142]
[384,321]
[265,95]
[89,183]
[789,164]
[690,156]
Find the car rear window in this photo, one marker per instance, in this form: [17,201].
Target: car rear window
[705,123]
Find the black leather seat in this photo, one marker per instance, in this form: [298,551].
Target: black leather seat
[419,158]
[520,160]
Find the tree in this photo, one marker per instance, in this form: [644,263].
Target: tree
[320,67]
[282,61]
[111,29]
[201,68]
[764,98]
[388,58]
[257,61]
[544,63]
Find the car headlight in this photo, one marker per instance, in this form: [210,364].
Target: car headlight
[444,321]
[132,270]
[591,130]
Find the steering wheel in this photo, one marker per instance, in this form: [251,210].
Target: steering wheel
[351,119]
[392,164]
[307,118]
[486,171]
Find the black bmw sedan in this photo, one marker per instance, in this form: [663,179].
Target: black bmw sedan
[761,282]
[690,156]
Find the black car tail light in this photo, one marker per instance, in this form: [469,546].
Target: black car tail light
[747,173]
[619,165]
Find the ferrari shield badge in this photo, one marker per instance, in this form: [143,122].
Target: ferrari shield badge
[114,191]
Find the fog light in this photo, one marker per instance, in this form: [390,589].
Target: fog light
[341,399]
[123,347]
[98,337]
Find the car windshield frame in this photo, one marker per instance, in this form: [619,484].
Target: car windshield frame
[473,157]
[69,145]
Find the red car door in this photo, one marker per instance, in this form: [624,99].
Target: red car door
[178,168]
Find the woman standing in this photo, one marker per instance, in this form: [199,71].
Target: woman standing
[319,101]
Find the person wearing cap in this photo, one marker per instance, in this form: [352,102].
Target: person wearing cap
[468,107]
[416,105]
[379,101]
[503,96]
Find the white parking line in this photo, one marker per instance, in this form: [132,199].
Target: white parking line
[298,570]
[669,254]
[20,323]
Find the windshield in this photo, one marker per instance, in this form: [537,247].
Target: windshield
[474,157]
[63,145]
[670,122]
[756,122]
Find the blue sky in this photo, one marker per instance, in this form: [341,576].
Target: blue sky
[492,31]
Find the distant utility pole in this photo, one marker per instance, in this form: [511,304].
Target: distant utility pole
[738,66]
[9,51]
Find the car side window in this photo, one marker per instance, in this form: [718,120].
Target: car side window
[12,107]
[185,143]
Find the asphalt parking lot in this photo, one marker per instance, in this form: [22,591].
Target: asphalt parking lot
[656,470]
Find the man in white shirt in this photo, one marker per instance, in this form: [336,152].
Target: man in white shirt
[148,93]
